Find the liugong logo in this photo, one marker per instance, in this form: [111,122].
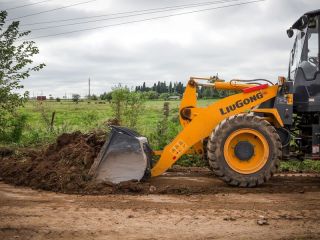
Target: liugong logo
[240,103]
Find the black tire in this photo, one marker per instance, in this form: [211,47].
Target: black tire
[205,153]
[220,166]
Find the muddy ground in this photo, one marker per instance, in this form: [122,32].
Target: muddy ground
[185,203]
[64,167]
[195,206]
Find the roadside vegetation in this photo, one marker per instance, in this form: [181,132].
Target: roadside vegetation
[43,121]
[300,166]
[16,64]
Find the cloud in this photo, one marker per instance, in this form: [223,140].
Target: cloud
[237,42]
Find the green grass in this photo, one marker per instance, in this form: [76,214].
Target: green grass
[81,116]
[85,117]
[300,166]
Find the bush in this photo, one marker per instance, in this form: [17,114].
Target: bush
[167,129]
[94,97]
[106,96]
[151,95]
[191,161]
[133,108]
[14,127]
[126,106]
[164,96]
[119,96]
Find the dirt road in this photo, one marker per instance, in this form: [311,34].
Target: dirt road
[195,206]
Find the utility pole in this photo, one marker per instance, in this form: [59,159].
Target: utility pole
[89,95]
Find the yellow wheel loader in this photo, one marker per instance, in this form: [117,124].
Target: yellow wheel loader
[242,137]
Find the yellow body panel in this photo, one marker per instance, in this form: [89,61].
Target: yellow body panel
[206,119]
[276,119]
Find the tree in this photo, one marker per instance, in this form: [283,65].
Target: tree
[133,108]
[207,93]
[75,97]
[119,96]
[170,87]
[106,96]
[154,88]
[158,88]
[126,106]
[180,88]
[15,66]
[94,97]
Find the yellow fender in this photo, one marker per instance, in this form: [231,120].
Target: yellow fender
[205,121]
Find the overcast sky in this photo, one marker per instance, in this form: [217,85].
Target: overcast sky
[246,41]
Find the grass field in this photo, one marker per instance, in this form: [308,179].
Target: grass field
[85,116]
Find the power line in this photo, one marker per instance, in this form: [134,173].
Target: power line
[51,10]
[133,15]
[142,20]
[29,4]
[122,13]
[10,2]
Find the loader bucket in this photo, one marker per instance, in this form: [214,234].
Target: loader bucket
[125,156]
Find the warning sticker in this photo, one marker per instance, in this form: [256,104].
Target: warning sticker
[179,147]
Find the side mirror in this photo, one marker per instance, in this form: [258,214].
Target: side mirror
[290,32]
[304,22]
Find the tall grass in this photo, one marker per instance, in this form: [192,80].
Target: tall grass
[85,117]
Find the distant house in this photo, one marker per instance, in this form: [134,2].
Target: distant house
[41,98]
[174,98]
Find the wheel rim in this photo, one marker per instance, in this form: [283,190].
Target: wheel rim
[260,151]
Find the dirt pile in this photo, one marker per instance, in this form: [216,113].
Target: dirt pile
[62,166]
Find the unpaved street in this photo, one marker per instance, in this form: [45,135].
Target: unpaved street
[289,208]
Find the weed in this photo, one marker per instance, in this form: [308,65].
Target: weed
[191,161]
[300,166]
[13,129]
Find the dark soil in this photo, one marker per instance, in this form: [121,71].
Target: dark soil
[5,151]
[62,166]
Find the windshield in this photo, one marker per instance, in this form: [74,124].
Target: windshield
[296,54]
[305,52]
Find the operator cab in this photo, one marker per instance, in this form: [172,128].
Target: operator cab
[304,67]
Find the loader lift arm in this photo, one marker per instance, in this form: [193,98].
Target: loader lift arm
[202,121]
